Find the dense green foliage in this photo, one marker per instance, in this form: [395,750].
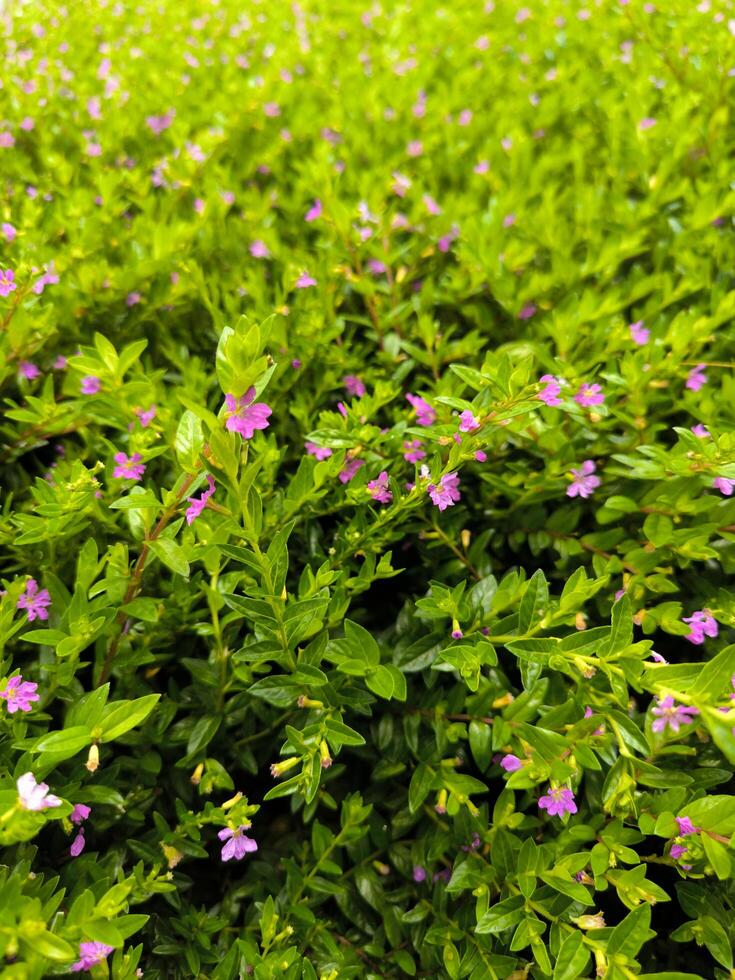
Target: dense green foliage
[259,598]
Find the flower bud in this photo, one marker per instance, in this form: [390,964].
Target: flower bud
[93,759]
[306,702]
[596,921]
[196,776]
[278,768]
[230,803]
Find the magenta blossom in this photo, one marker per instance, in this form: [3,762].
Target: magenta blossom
[320,452]
[349,469]
[157,124]
[7,282]
[28,370]
[78,844]
[686,826]
[696,378]
[90,384]
[639,333]
[34,602]
[60,363]
[19,694]
[80,813]
[238,843]
[589,395]
[724,485]
[511,763]
[549,394]
[468,422]
[646,123]
[8,231]
[354,385]
[245,417]
[132,299]
[527,311]
[259,250]
[128,467]
[419,873]
[90,954]
[558,801]
[481,456]
[425,414]
[49,278]
[378,489]
[446,493]
[314,212]
[677,850]
[304,281]
[197,504]
[701,624]
[35,796]
[701,431]
[146,417]
[413,451]
[584,482]
[668,712]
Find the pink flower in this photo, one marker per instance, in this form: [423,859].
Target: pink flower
[481,456]
[199,205]
[589,395]
[8,231]
[445,242]
[245,417]
[668,712]
[465,117]
[584,483]
[425,414]
[157,124]
[468,422]
[509,220]
[446,493]
[701,431]
[419,873]
[549,394]
[259,250]
[430,204]
[49,278]
[511,763]
[413,451]
[35,796]
[686,826]
[677,850]
[314,212]
[639,333]
[28,370]
[400,184]
[228,197]
[646,123]
[724,485]
[146,417]
[271,109]
[91,384]
[34,602]
[701,624]
[354,385]
[349,469]
[377,267]
[415,148]
[80,813]
[6,139]
[378,489]
[19,694]
[238,844]
[77,845]
[90,954]
[132,299]
[197,504]
[696,378]
[60,363]
[558,801]
[304,281]
[527,311]
[93,150]
[128,468]
[320,452]
[7,282]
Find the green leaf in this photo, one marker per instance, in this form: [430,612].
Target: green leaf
[718,857]
[189,441]
[68,742]
[659,529]
[420,786]
[534,601]
[573,958]
[171,554]
[381,682]
[120,716]
[628,936]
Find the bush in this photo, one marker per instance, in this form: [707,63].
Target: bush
[367,386]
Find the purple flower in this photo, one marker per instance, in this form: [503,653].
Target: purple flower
[639,333]
[677,850]
[584,482]
[646,123]
[8,231]
[589,395]
[724,485]
[349,469]
[701,624]
[19,694]
[413,451]
[425,414]
[49,278]
[197,504]
[686,826]
[509,220]
[419,873]
[430,204]
[549,394]
[527,311]
[77,845]
[28,370]
[444,875]
[696,378]
[146,417]
[80,813]
[35,796]
[245,417]
[378,489]
[558,801]
[90,954]
[321,452]
[238,843]
[511,763]
[304,281]
[468,422]
[157,124]
[132,299]
[701,431]
[90,384]
[668,712]
[481,167]
[60,363]
[480,456]
[354,385]
[34,602]
[314,212]
[128,467]
[446,493]
[7,282]
[259,250]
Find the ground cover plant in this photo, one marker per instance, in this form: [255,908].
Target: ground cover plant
[367,468]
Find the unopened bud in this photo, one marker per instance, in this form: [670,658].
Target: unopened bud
[306,702]
[441,802]
[196,776]
[278,768]
[93,759]
[326,759]
[172,855]
[503,701]
[382,869]
[465,538]
[230,803]
[596,921]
